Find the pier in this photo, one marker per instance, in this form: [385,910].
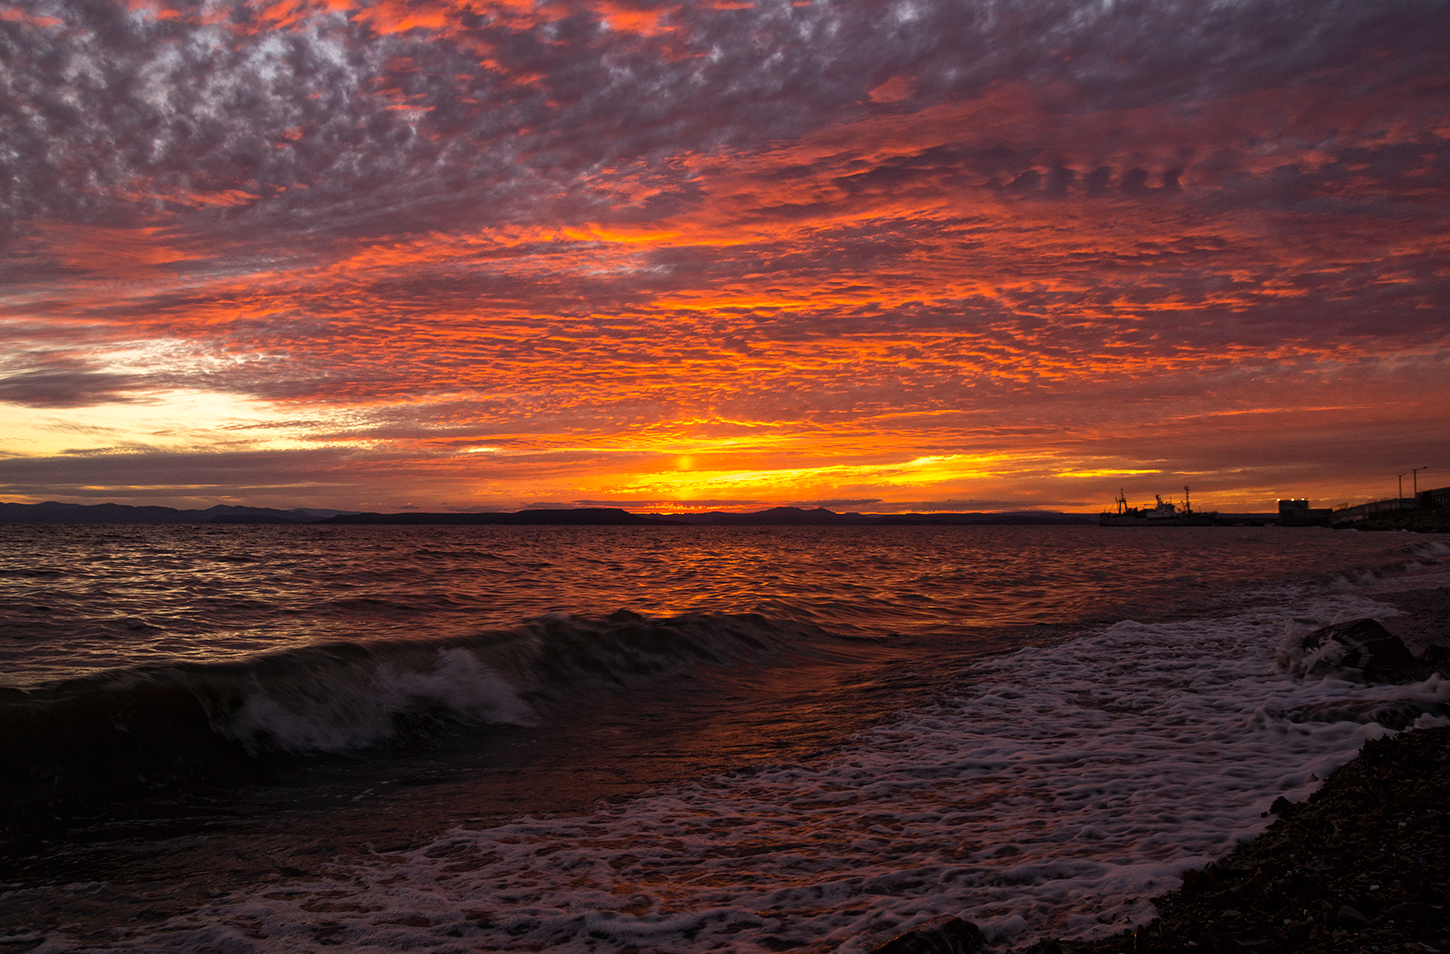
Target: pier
[1432,505]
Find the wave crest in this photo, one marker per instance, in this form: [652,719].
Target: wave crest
[151,725]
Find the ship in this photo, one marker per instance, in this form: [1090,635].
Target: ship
[1165,514]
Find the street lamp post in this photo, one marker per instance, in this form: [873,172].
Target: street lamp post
[1400,497]
[1415,476]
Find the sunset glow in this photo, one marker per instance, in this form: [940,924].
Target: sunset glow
[490,254]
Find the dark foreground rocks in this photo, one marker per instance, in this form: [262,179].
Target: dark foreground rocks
[1363,865]
[945,935]
[1364,645]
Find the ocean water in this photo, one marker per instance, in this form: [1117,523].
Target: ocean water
[657,738]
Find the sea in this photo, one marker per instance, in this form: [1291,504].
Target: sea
[659,738]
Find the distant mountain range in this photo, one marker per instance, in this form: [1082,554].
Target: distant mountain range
[110,513]
[821,517]
[587,517]
[52,512]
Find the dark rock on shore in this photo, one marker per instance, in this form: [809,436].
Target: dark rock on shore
[1361,644]
[1360,866]
[947,935]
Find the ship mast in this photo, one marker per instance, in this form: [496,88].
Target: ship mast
[1187,507]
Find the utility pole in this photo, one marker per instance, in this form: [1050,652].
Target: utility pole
[1415,476]
[1400,497]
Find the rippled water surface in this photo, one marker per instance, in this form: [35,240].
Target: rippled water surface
[77,599]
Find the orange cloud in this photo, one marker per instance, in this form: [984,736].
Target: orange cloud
[516,251]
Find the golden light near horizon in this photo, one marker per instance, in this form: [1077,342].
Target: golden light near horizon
[915,475]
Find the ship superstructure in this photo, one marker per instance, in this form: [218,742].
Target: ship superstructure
[1165,513]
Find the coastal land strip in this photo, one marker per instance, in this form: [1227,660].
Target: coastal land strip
[111,513]
[1421,520]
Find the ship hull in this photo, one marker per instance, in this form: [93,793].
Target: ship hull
[1139,520]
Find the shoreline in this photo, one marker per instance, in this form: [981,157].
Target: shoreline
[1358,866]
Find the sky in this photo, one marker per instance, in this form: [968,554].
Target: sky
[873,256]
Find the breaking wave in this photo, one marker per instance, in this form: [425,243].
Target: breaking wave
[153,724]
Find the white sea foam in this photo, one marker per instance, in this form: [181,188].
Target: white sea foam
[343,707]
[1054,794]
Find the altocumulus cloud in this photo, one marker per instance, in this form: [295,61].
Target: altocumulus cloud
[284,121]
[654,225]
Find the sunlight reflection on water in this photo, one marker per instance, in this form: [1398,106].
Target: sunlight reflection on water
[79,599]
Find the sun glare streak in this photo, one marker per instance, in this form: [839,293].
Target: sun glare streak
[911,474]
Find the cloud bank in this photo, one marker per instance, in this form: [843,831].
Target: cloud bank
[495,252]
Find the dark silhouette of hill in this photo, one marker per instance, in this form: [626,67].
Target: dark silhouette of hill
[821,517]
[111,513]
[774,517]
[587,517]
